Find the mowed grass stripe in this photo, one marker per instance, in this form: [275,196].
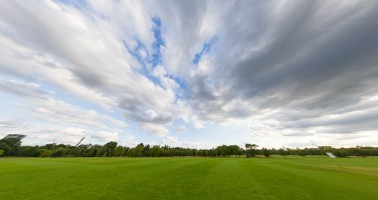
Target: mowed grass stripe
[307,180]
[103,178]
[189,178]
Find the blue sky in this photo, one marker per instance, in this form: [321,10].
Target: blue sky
[190,73]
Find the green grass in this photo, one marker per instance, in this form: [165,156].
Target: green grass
[189,178]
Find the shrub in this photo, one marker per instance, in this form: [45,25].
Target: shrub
[46,153]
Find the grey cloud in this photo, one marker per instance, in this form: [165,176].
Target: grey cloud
[308,58]
[331,56]
[42,106]
[87,58]
[24,89]
[158,119]
[293,63]
[13,124]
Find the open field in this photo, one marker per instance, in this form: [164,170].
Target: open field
[189,178]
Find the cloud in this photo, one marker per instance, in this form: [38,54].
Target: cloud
[92,72]
[181,129]
[13,124]
[41,106]
[287,68]
[157,129]
[23,89]
[169,140]
[71,135]
[288,59]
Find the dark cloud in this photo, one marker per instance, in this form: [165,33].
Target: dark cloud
[303,59]
[306,59]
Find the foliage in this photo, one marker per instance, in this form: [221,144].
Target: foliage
[13,147]
[29,151]
[46,153]
[251,150]
[119,151]
[265,152]
[283,152]
[10,146]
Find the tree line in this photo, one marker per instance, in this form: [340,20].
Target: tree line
[13,147]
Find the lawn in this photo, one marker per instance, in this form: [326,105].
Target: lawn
[189,178]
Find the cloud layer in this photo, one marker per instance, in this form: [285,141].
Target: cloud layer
[282,68]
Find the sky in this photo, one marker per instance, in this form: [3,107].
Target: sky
[193,74]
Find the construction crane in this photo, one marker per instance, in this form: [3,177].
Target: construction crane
[80,141]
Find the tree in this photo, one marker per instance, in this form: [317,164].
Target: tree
[282,152]
[29,151]
[139,150]
[265,152]
[222,151]
[146,151]
[101,151]
[341,153]
[119,151]
[250,150]
[58,152]
[234,150]
[46,153]
[10,146]
[111,145]
[5,148]
[155,151]
[1,153]
[110,148]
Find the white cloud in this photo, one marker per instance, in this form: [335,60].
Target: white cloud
[284,66]
[181,129]
[157,129]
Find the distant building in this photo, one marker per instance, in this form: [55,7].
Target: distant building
[17,136]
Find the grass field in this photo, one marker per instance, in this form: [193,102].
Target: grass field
[189,178]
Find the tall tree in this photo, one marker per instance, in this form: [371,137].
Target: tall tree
[250,150]
[119,151]
[10,146]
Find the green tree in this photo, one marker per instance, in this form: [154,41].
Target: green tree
[110,148]
[222,150]
[102,151]
[58,152]
[282,152]
[119,151]
[5,148]
[155,151]
[10,146]
[265,152]
[139,150]
[146,151]
[251,150]
[30,151]
[131,152]
[342,153]
[111,145]
[1,153]
[46,153]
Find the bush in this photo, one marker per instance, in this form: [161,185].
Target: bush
[58,153]
[1,153]
[29,151]
[341,153]
[266,152]
[46,153]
